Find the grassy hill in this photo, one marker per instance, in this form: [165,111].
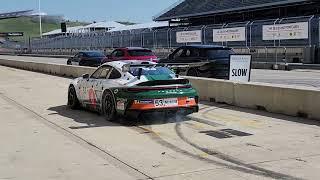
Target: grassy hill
[30,26]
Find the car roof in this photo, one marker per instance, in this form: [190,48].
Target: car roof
[200,46]
[134,48]
[116,64]
[119,64]
[90,52]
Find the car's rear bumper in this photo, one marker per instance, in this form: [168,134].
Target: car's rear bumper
[162,111]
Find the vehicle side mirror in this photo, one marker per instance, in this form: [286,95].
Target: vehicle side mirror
[85,76]
[170,56]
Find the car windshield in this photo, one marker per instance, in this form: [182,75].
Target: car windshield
[142,52]
[151,71]
[219,53]
[95,54]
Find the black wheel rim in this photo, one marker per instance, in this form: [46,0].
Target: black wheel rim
[71,97]
[108,106]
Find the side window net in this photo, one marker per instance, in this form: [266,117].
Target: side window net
[115,74]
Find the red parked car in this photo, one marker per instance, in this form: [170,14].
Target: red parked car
[132,53]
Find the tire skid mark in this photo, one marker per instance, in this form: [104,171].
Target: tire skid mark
[237,167]
[77,139]
[204,121]
[227,158]
[231,118]
[209,109]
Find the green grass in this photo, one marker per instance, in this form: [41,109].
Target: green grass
[30,27]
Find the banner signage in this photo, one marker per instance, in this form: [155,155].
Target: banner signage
[6,34]
[229,34]
[189,36]
[286,31]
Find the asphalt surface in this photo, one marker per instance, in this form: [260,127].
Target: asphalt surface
[42,139]
[309,78]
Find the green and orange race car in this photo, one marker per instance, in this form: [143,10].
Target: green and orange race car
[121,88]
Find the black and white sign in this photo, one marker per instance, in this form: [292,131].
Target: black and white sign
[189,36]
[240,67]
[286,31]
[229,34]
[5,34]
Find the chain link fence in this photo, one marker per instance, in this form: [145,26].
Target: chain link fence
[286,49]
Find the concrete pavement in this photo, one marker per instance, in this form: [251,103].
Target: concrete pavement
[306,77]
[219,142]
[35,59]
[309,78]
[32,149]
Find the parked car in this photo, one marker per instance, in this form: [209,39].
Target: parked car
[87,58]
[132,53]
[202,61]
[119,88]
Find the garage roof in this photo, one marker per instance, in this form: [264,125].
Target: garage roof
[196,8]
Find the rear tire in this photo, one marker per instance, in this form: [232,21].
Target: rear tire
[73,101]
[108,106]
[193,72]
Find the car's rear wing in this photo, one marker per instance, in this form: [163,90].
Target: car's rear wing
[184,65]
[171,65]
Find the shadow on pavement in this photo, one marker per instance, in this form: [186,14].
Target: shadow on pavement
[91,119]
[87,118]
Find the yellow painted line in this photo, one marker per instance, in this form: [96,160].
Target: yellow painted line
[230,118]
[204,155]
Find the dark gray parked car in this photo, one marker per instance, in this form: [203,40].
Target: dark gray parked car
[203,61]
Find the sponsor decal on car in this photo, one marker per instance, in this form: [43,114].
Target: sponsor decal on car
[145,101]
[121,104]
[163,103]
[169,102]
[92,98]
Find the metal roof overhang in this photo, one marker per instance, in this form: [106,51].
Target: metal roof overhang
[260,6]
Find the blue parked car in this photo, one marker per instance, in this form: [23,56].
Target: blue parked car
[87,58]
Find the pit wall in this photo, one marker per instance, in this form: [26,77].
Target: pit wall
[282,99]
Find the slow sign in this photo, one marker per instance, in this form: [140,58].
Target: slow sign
[240,67]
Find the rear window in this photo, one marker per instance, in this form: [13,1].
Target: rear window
[95,54]
[151,71]
[142,52]
[219,53]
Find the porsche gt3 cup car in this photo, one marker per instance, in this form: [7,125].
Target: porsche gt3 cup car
[119,88]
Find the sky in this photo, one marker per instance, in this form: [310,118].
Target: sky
[138,11]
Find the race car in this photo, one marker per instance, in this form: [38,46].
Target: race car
[124,89]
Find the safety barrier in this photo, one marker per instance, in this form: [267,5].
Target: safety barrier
[283,99]
[54,69]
